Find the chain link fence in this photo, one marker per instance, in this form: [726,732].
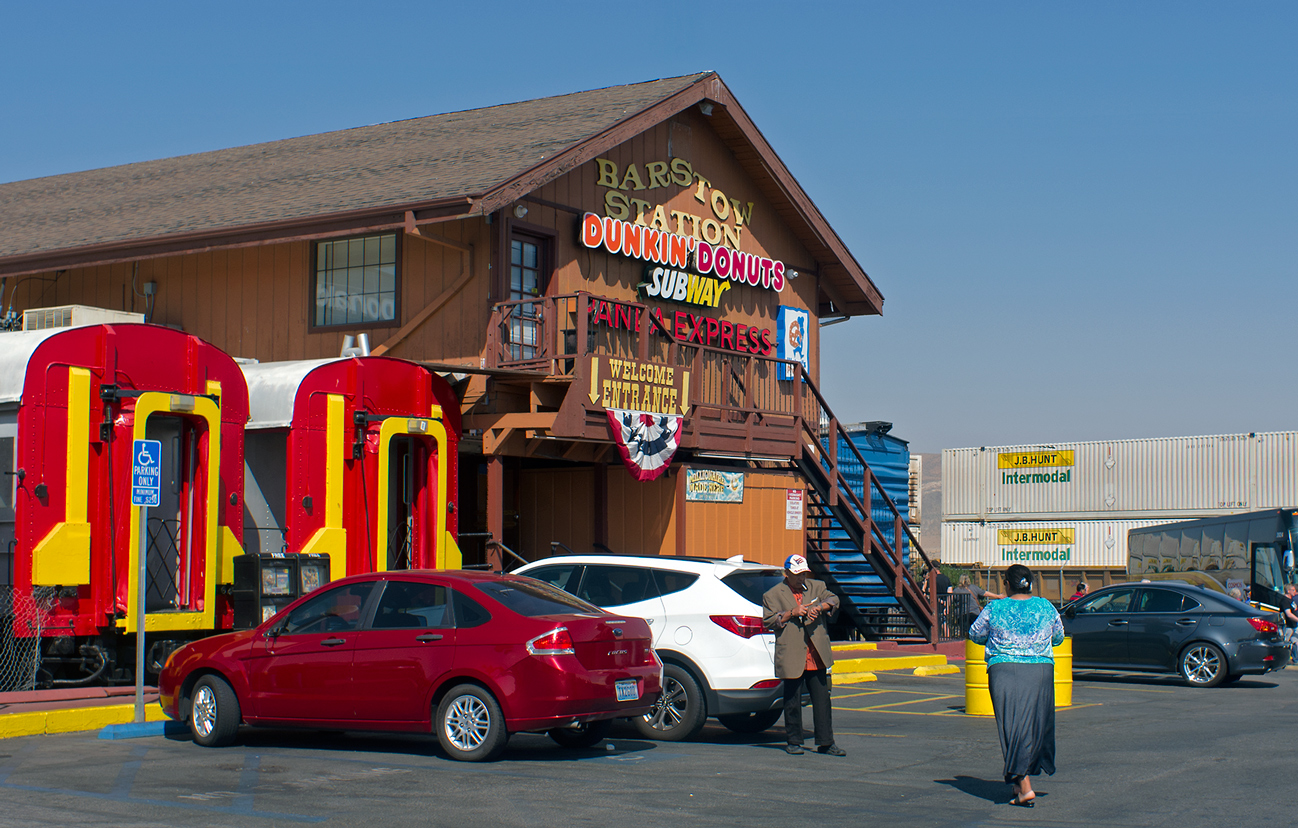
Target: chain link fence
[22,619]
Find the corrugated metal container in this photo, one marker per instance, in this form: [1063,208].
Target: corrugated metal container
[1058,544]
[889,459]
[1168,478]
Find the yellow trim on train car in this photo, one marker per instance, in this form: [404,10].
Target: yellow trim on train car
[432,427]
[158,402]
[62,558]
[331,538]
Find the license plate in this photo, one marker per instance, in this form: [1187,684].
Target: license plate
[628,690]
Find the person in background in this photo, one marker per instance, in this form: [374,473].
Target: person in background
[1289,615]
[1019,634]
[1082,589]
[797,609]
[1236,593]
[967,599]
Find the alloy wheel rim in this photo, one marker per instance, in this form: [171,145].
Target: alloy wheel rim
[1202,665]
[204,711]
[669,711]
[467,722]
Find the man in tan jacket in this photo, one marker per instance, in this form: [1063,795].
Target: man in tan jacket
[797,610]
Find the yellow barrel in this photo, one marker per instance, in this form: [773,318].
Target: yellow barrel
[1064,674]
[977,694]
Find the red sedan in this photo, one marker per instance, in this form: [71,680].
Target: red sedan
[473,656]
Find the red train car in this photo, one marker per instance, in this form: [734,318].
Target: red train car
[356,457]
[73,401]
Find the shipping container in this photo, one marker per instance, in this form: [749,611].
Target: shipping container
[1059,544]
[1167,478]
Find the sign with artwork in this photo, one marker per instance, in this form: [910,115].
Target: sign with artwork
[712,486]
[644,403]
[793,325]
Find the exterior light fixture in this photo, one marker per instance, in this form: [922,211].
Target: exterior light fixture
[519,211]
[706,108]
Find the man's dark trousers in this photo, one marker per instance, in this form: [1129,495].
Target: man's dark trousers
[817,682]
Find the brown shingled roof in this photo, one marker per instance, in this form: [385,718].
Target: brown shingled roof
[456,163]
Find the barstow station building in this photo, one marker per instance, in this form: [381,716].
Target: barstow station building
[638,249]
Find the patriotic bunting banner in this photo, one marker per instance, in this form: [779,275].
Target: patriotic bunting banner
[647,442]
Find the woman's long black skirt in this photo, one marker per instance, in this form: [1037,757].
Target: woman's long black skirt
[1023,696]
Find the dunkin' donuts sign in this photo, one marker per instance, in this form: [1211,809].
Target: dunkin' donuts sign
[680,252]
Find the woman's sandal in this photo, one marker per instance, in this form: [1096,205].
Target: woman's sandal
[1026,803]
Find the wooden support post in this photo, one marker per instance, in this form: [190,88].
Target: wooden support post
[600,502]
[583,323]
[681,506]
[495,511]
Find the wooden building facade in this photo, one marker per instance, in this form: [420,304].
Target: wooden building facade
[638,247]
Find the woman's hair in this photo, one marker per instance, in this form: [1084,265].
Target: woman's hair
[964,580]
[1018,580]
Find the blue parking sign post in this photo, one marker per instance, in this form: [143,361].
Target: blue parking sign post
[146,490]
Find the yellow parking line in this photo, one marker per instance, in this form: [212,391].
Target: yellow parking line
[881,708]
[1129,689]
[876,735]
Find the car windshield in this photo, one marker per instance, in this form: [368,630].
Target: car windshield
[531,597]
[752,584]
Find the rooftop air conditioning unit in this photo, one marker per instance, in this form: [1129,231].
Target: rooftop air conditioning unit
[75,316]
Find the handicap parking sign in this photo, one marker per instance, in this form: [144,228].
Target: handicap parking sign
[146,473]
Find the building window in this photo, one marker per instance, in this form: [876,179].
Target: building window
[356,281]
[527,277]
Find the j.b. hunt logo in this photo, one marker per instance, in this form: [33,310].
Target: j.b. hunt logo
[1060,539]
[1035,459]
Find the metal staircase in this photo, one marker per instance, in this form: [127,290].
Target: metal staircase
[857,540]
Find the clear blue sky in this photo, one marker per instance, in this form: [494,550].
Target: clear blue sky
[1082,215]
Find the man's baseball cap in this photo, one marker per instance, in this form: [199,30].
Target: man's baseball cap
[796,564]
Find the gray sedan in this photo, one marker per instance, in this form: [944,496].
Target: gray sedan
[1170,627]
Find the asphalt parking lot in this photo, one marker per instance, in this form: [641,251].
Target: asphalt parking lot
[1134,750]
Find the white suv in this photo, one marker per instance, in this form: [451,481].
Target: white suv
[706,617]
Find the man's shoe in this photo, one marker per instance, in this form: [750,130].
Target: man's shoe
[793,750]
[831,750]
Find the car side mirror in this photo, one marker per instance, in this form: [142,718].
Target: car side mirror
[1070,612]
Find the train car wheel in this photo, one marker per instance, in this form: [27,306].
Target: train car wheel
[214,712]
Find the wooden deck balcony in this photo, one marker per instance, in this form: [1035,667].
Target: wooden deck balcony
[737,403]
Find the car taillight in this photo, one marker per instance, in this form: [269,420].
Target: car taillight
[745,626]
[766,684]
[651,657]
[1262,625]
[555,642]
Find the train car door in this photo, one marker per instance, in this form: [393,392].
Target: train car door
[401,506]
[169,527]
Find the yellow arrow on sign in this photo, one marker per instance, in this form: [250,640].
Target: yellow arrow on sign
[685,392]
[594,379]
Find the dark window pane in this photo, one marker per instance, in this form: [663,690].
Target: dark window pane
[337,610]
[753,584]
[468,612]
[1116,601]
[356,280]
[616,586]
[1160,600]
[409,605]
[558,575]
[532,598]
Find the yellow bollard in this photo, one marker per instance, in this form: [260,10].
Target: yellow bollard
[1064,674]
[977,694]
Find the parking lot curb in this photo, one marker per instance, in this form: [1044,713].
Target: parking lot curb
[73,720]
[854,678]
[937,670]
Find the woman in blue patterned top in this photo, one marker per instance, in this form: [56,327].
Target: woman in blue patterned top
[1019,633]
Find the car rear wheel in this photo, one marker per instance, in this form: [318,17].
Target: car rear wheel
[1203,665]
[582,736]
[214,712]
[470,724]
[680,710]
[751,722]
